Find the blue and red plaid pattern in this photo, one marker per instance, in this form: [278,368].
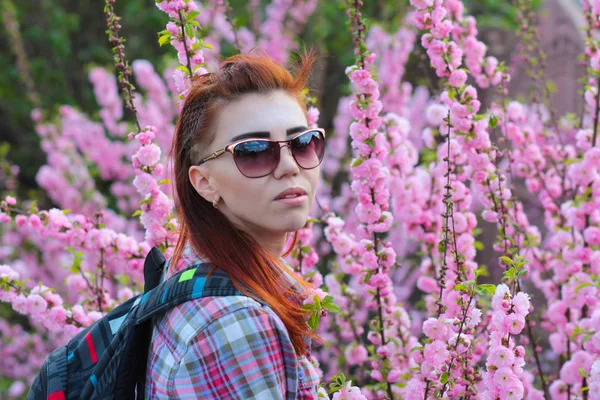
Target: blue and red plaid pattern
[229,347]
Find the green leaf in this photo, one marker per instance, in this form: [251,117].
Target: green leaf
[184,69]
[357,162]
[416,348]
[581,286]
[493,121]
[551,86]
[332,307]
[576,332]
[368,276]
[510,274]
[460,286]
[189,31]
[444,378]
[137,213]
[310,307]
[193,15]
[317,300]
[313,321]
[521,273]
[481,271]
[507,260]
[164,181]
[441,247]
[164,39]
[487,287]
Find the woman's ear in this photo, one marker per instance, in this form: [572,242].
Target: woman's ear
[200,179]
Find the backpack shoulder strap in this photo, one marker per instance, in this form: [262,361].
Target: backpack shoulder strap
[153,268]
[189,284]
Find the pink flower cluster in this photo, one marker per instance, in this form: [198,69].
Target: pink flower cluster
[304,258]
[505,362]
[156,207]
[189,48]
[443,19]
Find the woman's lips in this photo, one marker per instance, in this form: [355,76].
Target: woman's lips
[293,201]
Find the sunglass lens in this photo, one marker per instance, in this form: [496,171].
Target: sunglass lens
[308,149]
[256,158]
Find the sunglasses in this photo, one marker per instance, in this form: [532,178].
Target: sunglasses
[256,158]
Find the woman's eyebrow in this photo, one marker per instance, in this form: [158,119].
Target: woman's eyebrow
[266,135]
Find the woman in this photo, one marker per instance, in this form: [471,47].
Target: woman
[246,169]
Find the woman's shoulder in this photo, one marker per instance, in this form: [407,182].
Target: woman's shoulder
[191,320]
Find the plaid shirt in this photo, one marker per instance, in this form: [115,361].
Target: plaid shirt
[230,347]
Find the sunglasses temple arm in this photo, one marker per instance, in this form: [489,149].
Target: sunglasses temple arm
[213,155]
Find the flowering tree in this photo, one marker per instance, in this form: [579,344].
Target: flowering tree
[398,296]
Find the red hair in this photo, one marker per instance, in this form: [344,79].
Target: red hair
[208,231]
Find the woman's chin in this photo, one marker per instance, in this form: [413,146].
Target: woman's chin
[291,224]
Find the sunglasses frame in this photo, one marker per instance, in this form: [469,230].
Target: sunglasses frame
[229,149]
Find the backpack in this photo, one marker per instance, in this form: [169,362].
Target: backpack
[107,360]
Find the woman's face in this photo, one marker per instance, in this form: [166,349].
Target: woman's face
[249,203]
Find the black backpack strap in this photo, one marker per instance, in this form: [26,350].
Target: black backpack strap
[192,283]
[153,268]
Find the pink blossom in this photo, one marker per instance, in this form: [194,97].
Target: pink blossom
[504,377]
[592,235]
[370,260]
[516,323]
[501,357]
[514,392]
[435,329]
[521,303]
[348,392]
[20,220]
[148,155]
[421,3]
[8,273]
[427,284]
[310,299]
[36,304]
[436,113]
[356,355]
[145,137]
[35,221]
[16,389]
[514,111]
[144,183]
[458,78]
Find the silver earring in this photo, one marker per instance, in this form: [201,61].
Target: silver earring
[215,203]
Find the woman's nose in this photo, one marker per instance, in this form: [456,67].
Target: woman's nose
[287,162]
